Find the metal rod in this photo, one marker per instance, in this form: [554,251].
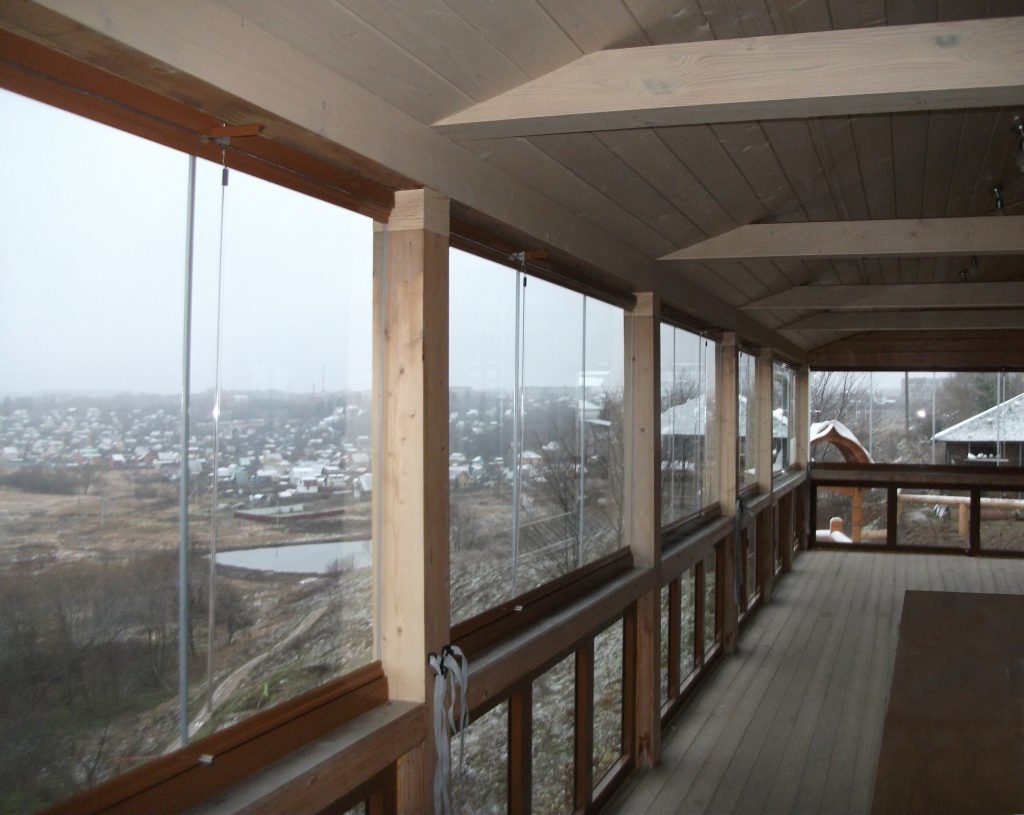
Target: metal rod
[211,604]
[183,478]
[516,426]
[582,441]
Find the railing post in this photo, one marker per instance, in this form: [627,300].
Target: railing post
[410,491]
[584,749]
[766,552]
[643,512]
[727,410]
[520,751]
[975,522]
[892,517]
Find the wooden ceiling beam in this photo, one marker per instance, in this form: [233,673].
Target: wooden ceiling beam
[896,238]
[941,320]
[967,63]
[923,351]
[895,296]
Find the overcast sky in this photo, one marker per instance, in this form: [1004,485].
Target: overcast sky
[92,259]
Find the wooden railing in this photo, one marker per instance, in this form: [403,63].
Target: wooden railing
[856,479]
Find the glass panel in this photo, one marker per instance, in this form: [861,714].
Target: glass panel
[687,385]
[280,454]
[570,467]
[482,385]
[1002,519]
[91,280]
[783,417]
[934,518]
[601,419]
[608,669]
[747,420]
[554,704]
[846,515]
[687,624]
[486,767]
[549,540]
[710,617]
[919,418]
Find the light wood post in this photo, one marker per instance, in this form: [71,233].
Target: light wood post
[643,510]
[764,380]
[411,487]
[727,411]
[805,514]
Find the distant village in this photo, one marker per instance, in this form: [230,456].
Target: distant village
[274,449]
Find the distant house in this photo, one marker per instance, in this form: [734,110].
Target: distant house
[978,438]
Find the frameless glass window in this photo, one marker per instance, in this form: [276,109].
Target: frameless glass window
[280,453]
[91,269]
[748,421]
[783,417]
[918,417]
[535,431]
[96,473]
[687,429]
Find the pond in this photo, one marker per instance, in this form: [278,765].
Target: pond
[302,558]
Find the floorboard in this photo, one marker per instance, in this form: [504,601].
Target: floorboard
[792,723]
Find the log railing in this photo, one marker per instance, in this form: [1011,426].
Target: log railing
[942,484]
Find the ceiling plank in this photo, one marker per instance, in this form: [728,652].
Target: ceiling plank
[969,63]
[897,296]
[904,237]
[921,351]
[940,320]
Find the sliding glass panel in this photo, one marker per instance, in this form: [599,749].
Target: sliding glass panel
[687,386]
[783,417]
[280,453]
[688,624]
[482,382]
[549,432]
[710,592]
[92,260]
[747,420]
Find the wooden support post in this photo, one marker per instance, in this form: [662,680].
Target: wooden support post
[411,490]
[787,530]
[520,752]
[727,415]
[643,511]
[892,517]
[584,750]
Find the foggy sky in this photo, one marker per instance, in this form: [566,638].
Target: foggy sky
[92,260]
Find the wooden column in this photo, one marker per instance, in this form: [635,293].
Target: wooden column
[786,530]
[805,514]
[763,383]
[643,510]
[727,424]
[411,478]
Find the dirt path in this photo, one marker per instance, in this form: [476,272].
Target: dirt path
[230,684]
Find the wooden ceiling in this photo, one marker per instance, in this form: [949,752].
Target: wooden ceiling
[661,189]
[649,190]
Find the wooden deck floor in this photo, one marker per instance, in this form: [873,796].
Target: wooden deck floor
[792,723]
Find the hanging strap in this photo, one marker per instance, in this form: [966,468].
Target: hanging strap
[451,682]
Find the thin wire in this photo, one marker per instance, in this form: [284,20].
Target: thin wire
[582,441]
[183,481]
[517,457]
[212,600]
